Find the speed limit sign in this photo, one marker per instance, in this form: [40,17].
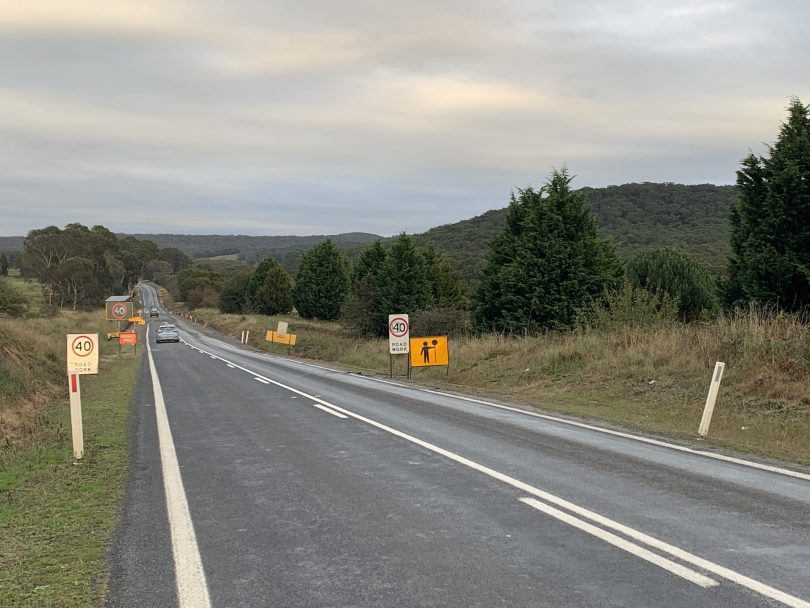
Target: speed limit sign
[82,353]
[399,329]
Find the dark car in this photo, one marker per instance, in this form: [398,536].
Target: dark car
[154,312]
[167,333]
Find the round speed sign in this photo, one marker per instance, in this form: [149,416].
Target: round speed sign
[82,346]
[398,327]
[119,311]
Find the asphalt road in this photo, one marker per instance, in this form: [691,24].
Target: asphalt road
[258,481]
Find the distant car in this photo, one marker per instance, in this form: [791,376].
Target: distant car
[154,312]
[167,333]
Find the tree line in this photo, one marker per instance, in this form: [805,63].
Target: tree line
[550,267]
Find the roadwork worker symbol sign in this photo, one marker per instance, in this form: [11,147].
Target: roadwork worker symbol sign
[429,351]
[82,353]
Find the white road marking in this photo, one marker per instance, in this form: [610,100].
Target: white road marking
[685,556]
[262,380]
[231,366]
[213,357]
[617,541]
[328,411]
[192,588]
[656,442]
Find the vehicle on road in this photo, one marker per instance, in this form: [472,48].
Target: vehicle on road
[167,333]
[154,312]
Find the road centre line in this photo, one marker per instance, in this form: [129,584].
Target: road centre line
[623,544]
[649,440]
[262,380]
[673,551]
[192,588]
[328,411]
[598,429]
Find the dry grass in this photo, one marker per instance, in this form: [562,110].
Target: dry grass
[32,366]
[652,379]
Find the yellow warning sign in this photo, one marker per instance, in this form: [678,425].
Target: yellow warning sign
[274,336]
[429,351]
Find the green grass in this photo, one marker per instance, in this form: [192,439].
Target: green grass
[56,517]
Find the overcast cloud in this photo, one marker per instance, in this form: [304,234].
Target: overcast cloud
[324,116]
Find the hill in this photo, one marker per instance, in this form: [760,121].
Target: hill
[693,219]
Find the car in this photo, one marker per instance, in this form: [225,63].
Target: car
[167,333]
[154,312]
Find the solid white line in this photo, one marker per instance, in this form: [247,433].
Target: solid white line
[623,544]
[656,442]
[192,589]
[672,550]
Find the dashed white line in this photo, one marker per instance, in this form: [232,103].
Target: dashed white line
[262,380]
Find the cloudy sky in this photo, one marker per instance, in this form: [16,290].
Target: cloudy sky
[328,116]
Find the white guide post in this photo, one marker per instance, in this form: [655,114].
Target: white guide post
[714,388]
[247,336]
[76,416]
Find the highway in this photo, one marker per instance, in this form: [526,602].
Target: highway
[262,481]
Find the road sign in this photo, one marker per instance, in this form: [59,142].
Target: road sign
[282,328]
[399,329]
[274,336]
[137,319]
[127,338]
[119,311]
[429,351]
[82,353]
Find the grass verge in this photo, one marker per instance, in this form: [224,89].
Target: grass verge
[649,379]
[56,517]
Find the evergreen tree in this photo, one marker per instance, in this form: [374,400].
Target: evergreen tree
[268,289]
[770,221]
[359,309]
[3,265]
[679,276]
[402,285]
[322,283]
[446,288]
[233,300]
[548,262]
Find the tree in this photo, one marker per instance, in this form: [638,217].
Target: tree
[678,275]
[359,309]
[3,265]
[548,262]
[446,288]
[176,259]
[200,278]
[12,302]
[402,283]
[233,300]
[322,283]
[268,289]
[770,221]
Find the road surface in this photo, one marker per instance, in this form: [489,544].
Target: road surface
[258,481]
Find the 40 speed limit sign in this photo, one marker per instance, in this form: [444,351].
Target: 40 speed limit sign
[82,353]
[399,329]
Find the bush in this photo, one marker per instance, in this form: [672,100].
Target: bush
[12,302]
[453,322]
[628,306]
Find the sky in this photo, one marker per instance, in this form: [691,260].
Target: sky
[325,116]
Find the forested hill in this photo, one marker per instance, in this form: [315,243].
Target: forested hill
[693,219]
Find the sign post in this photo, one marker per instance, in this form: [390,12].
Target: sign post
[399,328]
[82,358]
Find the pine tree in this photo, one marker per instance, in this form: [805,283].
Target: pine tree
[322,283]
[548,262]
[446,288]
[359,309]
[402,285]
[268,289]
[770,221]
